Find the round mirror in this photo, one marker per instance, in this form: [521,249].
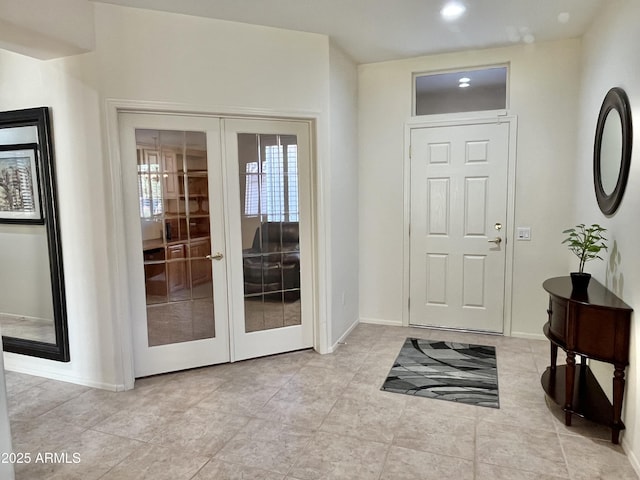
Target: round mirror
[612,150]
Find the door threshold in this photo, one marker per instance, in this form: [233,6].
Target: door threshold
[458,330]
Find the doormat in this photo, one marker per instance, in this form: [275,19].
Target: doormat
[458,372]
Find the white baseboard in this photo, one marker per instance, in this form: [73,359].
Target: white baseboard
[529,336]
[381,321]
[27,318]
[633,460]
[344,335]
[39,372]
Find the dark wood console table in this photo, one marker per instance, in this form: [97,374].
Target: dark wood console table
[596,325]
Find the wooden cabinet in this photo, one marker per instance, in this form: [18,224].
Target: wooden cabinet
[596,325]
[200,266]
[174,207]
[155,271]
[176,268]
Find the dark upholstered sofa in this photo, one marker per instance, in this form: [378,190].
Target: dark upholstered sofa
[272,264]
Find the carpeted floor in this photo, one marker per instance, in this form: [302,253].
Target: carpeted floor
[458,372]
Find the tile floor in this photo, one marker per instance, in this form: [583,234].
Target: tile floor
[28,328]
[304,416]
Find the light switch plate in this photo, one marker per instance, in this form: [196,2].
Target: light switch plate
[523,233]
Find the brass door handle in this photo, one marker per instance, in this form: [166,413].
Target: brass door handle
[215,256]
[496,240]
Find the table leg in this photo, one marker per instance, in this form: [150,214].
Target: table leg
[568,400]
[554,356]
[618,394]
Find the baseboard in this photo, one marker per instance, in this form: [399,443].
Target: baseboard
[27,318]
[529,336]
[395,323]
[633,460]
[381,321]
[38,372]
[344,335]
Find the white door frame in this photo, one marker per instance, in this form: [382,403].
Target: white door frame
[453,120]
[117,244]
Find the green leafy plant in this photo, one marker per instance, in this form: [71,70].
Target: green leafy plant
[586,242]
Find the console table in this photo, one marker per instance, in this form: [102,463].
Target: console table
[595,324]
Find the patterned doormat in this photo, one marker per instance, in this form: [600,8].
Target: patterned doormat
[458,372]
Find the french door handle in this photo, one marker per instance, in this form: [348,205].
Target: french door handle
[496,240]
[215,256]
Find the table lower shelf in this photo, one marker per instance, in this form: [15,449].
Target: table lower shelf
[589,400]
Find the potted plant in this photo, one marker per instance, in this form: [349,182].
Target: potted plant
[586,243]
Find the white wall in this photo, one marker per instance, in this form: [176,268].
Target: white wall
[343,227]
[6,469]
[69,87]
[46,29]
[25,288]
[610,59]
[544,97]
[158,57]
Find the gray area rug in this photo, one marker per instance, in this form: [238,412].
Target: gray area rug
[458,372]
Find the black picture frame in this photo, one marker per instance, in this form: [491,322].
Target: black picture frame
[40,118]
[20,192]
[615,99]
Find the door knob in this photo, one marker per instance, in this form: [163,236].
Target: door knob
[496,240]
[215,256]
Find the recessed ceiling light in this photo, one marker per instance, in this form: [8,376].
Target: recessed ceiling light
[452,10]
[464,80]
[464,85]
[564,17]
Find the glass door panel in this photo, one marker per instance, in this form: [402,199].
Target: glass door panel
[173,189]
[269,220]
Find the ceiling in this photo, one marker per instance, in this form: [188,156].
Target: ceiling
[379,30]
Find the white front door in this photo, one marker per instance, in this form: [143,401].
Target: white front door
[218,238]
[458,225]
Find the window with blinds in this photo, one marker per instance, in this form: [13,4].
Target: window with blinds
[271,188]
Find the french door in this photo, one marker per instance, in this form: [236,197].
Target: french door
[216,214]
[268,168]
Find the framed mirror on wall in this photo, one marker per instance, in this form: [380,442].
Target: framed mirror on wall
[612,150]
[33,313]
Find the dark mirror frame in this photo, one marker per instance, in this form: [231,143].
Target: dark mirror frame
[39,117]
[616,99]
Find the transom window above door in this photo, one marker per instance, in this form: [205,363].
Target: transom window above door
[460,91]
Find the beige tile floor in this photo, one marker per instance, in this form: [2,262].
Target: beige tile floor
[304,416]
[28,328]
